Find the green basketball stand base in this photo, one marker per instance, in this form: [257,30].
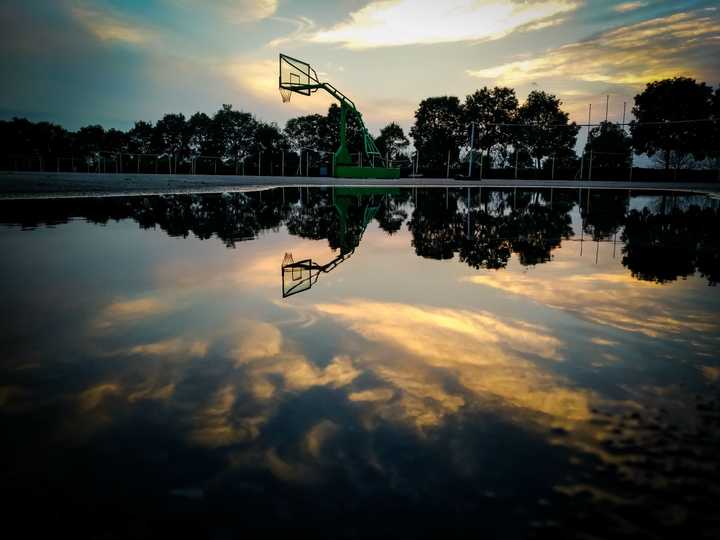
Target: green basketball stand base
[353,171]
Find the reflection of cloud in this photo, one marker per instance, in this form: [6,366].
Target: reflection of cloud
[318,435]
[711,373]
[635,54]
[173,347]
[92,397]
[123,311]
[216,425]
[603,342]
[487,356]
[409,22]
[615,300]
[258,340]
[402,323]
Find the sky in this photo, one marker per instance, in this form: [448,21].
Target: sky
[112,62]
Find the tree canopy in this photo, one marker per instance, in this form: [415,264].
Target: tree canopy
[682,103]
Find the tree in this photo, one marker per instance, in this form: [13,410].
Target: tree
[672,100]
[548,131]
[392,141]
[354,134]
[611,146]
[271,142]
[236,130]
[307,132]
[140,138]
[438,131]
[487,107]
[202,139]
[90,139]
[171,136]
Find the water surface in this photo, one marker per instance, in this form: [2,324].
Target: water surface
[517,362]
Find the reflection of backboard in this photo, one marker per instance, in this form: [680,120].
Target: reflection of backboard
[296,75]
[297,276]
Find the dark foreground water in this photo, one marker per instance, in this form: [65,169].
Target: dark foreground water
[518,363]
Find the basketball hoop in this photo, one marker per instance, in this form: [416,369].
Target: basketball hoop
[286,94]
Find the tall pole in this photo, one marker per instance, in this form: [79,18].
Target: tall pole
[282,167]
[517,153]
[624,108]
[582,156]
[472,142]
[447,172]
[607,107]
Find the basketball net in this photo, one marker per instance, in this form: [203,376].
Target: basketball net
[285,94]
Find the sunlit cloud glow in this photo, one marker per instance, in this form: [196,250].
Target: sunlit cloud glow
[629,6]
[632,55]
[108,27]
[411,22]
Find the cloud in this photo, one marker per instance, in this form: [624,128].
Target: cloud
[260,78]
[108,26]
[235,11]
[410,22]
[628,6]
[664,47]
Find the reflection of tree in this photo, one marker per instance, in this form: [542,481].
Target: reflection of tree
[435,226]
[537,230]
[487,245]
[606,213]
[390,215]
[486,239]
[663,247]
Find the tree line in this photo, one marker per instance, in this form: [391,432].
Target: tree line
[675,121]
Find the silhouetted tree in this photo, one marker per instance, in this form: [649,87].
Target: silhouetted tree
[486,107]
[140,138]
[548,130]
[307,132]
[236,131]
[171,137]
[611,146]
[392,141]
[330,139]
[438,131]
[672,100]
[202,136]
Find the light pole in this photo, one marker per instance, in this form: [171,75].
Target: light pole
[472,142]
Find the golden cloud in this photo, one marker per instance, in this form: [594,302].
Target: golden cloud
[628,6]
[385,23]
[615,300]
[125,311]
[489,357]
[633,55]
[110,27]
[235,11]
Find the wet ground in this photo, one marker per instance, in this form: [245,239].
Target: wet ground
[514,363]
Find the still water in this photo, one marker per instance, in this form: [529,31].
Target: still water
[522,363]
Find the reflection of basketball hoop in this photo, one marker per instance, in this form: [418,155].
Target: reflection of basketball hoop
[286,94]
